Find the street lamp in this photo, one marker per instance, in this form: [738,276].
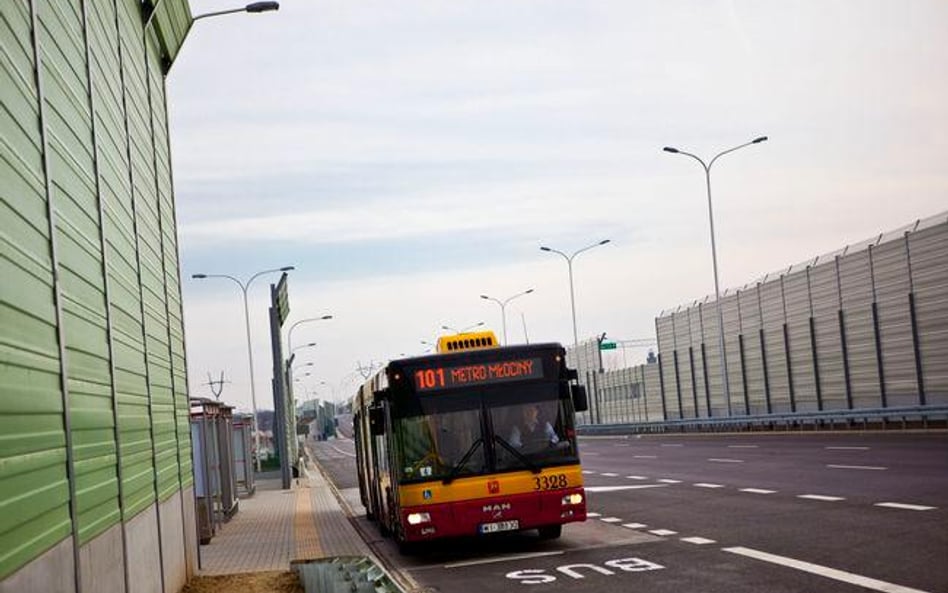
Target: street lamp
[714,253]
[503,306]
[310,345]
[244,287]
[253,7]
[462,330]
[289,333]
[569,265]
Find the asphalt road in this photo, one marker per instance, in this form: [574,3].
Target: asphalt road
[718,513]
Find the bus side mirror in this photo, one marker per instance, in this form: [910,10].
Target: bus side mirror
[580,401]
[377,421]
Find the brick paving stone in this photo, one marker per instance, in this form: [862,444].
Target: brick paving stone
[275,526]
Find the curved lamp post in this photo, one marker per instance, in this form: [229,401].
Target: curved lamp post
[503,306]
[244,287]
[714,252]
[289,333]
[253,7]
[569,265]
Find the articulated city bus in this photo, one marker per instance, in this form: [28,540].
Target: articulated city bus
[474,440]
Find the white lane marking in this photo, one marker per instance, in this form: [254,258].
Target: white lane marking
[617,488]
[672,445]
[701,541]
[846,448]
[725,460]
[610,475]
[903,506]
[824,571]
[757,491]
[644,457]
[634,525]
[338,450]
[593,515]
[637,477]
[663,532]
[870,467]
[742,446]
[588,472]
[611,520]
[670,481]
[706,485]
[821,497]
[502,559]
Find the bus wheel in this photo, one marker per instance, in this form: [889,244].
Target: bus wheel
[550,531]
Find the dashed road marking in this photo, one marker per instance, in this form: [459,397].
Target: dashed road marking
[672,445]
[725,460]
[663,532]
[707,485]
[701,541]
[821,497]
[823,571]
[588,472]
[644,457]
[618,488]
[904,506]
[846,448]
[611,520]
[634,525]
[609,475]
[670,481]
[593,515]
[868,467]
[637,477]
[757,491]
[742,446]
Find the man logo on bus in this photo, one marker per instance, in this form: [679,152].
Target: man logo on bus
[493,487]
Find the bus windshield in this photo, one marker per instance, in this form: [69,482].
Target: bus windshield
[503,428]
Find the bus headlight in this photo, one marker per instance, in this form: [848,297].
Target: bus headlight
[575,498]
[418,518]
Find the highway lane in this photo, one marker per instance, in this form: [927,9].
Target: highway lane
[671,519]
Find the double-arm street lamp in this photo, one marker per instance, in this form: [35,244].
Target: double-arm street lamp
[503,306]
[463,330]
[244,287]
[714,252]
[569,265]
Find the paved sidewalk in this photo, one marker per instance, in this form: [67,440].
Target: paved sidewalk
[276,526]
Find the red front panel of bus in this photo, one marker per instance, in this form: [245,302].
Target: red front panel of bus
[495,514]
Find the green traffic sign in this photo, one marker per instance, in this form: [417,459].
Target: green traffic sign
[607,345]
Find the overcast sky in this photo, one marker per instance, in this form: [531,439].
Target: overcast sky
[410,156]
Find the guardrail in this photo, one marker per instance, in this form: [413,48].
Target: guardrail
[871,418]
[344,574]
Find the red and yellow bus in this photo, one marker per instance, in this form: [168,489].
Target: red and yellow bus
[473,440]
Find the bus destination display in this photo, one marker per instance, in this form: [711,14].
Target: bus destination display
[438,377]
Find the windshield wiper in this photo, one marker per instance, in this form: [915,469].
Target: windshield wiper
[460,464]
[526,461]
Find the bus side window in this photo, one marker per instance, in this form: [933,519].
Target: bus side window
[377,421]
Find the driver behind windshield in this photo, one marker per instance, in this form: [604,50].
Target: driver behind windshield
[530,433]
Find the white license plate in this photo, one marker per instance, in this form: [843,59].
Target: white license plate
[500,526]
